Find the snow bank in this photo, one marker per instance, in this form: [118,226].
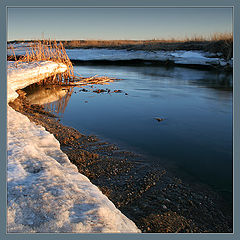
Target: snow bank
[198,58]
[45,191]
[22,74]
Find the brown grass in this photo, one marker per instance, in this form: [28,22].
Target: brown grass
[46,50]
[216,42]
[115,43]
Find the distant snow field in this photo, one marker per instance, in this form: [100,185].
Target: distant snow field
[45,191]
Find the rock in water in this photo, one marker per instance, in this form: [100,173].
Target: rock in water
[160,119]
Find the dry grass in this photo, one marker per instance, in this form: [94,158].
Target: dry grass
[216,42]
[116,43]
[221,37]
[212,37]
[46,50]
[82,81]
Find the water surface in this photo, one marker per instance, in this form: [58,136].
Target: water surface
[196,135]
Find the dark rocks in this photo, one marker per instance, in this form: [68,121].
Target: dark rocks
[83,90]
[160,119]
[99,90]
[118,91]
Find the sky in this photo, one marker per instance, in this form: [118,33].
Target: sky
[116,23]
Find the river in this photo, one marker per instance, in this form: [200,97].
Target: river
[195,136]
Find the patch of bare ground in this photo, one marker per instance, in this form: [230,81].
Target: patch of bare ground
[149,194]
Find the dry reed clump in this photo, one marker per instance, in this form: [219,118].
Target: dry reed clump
[46,50]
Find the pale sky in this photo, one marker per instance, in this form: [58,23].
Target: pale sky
[116,23]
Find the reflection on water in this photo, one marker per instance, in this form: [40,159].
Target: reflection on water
[214,79]
[197,105]
[54,98]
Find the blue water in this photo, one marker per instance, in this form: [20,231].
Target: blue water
[196,135]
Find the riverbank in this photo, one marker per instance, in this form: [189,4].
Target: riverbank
[217,43]
[153,197]
[191,58]
[46,193]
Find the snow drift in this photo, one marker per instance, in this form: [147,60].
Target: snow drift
[45,191]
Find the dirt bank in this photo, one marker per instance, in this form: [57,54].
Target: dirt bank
[149,194]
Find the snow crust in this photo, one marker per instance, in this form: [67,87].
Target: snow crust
[45,191]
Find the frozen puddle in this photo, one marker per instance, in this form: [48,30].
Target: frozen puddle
[45,191]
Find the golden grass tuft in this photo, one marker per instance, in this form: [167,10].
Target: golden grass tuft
[46,50]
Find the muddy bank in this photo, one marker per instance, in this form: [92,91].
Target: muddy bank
[150,195]
[141,62]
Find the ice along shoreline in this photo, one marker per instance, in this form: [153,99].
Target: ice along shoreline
[46,193]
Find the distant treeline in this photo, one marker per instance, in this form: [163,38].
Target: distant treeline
[217,43]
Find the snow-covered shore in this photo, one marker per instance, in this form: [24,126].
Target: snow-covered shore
[45,191]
